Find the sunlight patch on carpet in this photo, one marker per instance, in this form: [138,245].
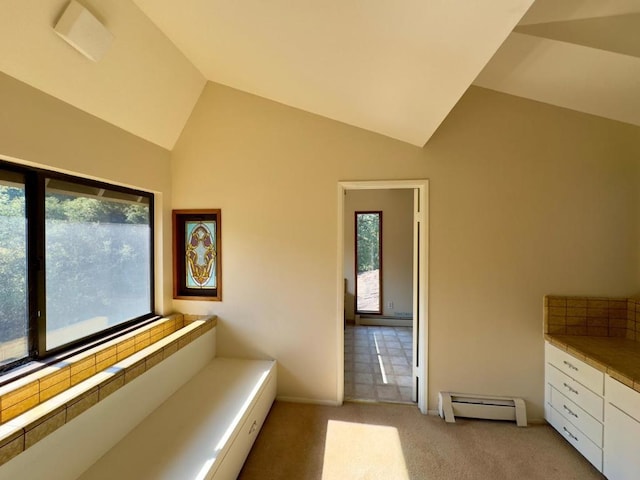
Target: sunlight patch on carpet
[366,452]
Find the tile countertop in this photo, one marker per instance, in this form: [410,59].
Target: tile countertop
[618,357]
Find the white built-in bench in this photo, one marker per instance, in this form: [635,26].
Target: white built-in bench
[203,431]
[190,416]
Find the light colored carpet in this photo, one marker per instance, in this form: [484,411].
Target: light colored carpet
[395,442]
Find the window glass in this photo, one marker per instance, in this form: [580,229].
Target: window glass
[13,269]
[200,254]
[97,260]
[368,262]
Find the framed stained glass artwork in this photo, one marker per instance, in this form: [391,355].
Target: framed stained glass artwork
[196,255]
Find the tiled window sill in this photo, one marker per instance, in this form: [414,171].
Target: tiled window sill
[35,406]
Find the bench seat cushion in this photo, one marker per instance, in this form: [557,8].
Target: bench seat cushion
[191,433]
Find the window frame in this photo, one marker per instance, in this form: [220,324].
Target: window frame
[34,181]
[380,270]
[180,289]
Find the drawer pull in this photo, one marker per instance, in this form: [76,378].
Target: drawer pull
[569,411]
[254,427]
[570,365]
[570,434]
[570,388]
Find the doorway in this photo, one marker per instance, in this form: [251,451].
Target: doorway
[396,330]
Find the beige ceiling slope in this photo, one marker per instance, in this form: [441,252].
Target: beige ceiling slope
[618,33]
[395,68]
[143,85]
[546,11]
[578,54]
[567,75]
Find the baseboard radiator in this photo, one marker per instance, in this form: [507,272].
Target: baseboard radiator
[451,405]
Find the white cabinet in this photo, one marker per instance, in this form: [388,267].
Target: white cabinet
[575,437]
[579,417]
[574,403]
[622,433]
[598,415]
[588,400]
[571,366]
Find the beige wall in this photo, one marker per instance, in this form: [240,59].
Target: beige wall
[525,199]
[397,247]
[143,84]
[40,130]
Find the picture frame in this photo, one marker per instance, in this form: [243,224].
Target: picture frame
[197,266]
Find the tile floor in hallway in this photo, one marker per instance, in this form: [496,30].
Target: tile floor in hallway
[377,363]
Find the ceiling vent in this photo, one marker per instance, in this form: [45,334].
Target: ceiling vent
[84,32]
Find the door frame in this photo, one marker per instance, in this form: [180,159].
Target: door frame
[420,286]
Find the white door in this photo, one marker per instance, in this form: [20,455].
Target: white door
[416,288]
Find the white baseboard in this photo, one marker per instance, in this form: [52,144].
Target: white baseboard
[538,421]
[384,321]
[312,401]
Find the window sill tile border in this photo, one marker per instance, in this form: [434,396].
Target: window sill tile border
[26,429]
[26,393]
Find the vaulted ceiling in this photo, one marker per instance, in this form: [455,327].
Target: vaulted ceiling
[579,54]
[395,68]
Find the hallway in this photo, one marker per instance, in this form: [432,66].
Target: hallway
[377,363]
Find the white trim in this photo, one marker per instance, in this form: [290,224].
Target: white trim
[340,316]
[416,219]
[384,321]
[423,305]
[310,401]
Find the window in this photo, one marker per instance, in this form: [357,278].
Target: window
[368,236]
[76,261]
[196,255]
[13,268]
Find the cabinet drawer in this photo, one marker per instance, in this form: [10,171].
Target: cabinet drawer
[575,437]
[578,393]
[588,425]
[576,369]
[623,397]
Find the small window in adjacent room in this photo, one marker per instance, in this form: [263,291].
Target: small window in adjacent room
[368,243]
